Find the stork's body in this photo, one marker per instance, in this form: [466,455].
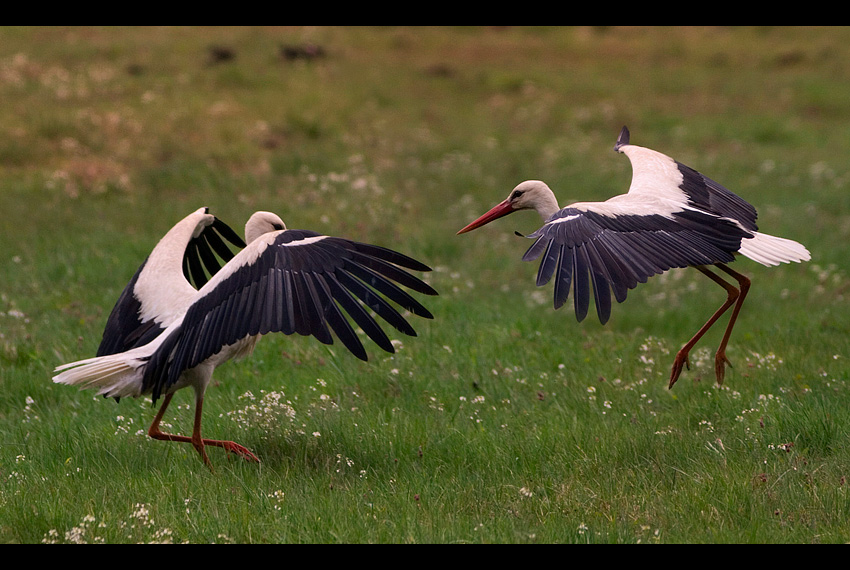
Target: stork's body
[672,216]
[164,334]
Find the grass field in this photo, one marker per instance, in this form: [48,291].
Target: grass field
[504,421]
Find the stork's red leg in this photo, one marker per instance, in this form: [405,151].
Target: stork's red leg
[230,446]
[720,359]
[196,440]
[732,294]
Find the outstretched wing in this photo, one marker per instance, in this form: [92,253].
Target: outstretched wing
[125,328]
[591,247]
[294,281]
[656,175]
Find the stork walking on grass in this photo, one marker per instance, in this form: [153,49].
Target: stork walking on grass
[165,334]
[672,216]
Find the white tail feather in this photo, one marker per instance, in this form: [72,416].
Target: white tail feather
[115,375]
[771,250]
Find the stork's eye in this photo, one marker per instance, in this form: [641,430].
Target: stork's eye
[517,194]
[277,226]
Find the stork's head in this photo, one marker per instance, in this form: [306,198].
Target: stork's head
[262,223]
[528,195]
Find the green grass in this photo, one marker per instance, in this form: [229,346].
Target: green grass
[504,420]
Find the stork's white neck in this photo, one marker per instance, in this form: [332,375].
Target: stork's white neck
[548,207]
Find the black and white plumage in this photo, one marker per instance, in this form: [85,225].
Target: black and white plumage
[140,315]
[672,216]
[164,334]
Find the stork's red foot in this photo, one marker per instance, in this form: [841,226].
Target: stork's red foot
[720,362]
[680,361]
[229,446]
[233,447]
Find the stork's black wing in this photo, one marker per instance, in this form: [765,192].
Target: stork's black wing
[125,330]
[615,253]
[706,194]
[201,252]
[301,282]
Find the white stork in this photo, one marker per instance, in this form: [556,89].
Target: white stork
[672,216]
[164,334]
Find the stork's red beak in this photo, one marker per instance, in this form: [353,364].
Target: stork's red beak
[496,212]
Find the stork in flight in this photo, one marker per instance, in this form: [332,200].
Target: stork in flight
[165,334]
[672,216]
